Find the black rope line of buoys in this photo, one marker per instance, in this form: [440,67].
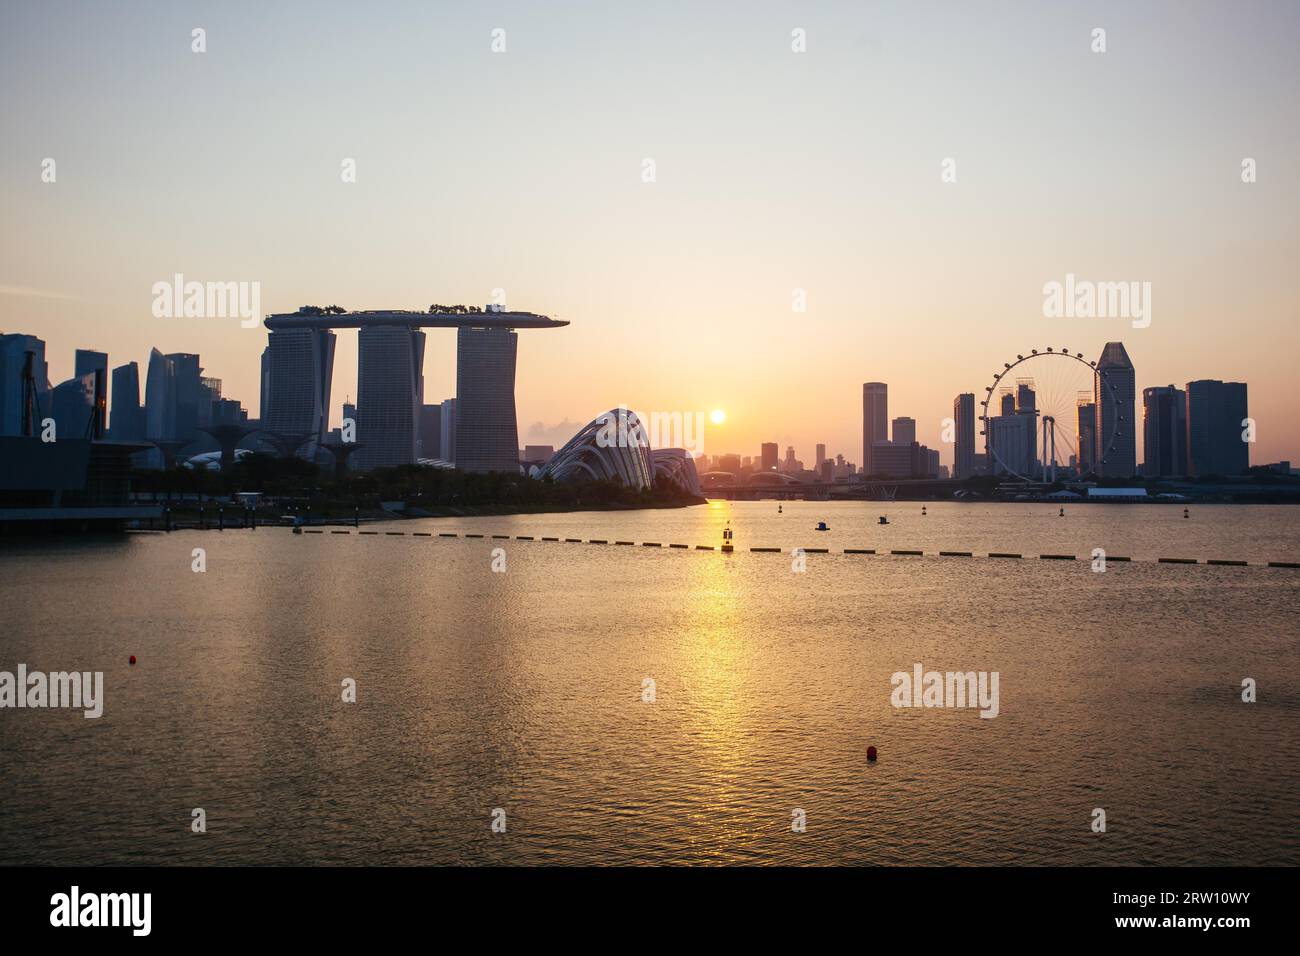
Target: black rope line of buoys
[902,552]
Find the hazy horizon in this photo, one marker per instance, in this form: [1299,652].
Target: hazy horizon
[775,171]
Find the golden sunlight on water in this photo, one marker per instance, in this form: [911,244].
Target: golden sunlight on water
[527,691]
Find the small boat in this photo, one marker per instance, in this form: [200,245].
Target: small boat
[726,539]
[821,526]
[884,520]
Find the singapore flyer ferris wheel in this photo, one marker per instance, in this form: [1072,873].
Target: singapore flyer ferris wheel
[1041,418]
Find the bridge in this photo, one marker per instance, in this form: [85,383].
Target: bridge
[873,490]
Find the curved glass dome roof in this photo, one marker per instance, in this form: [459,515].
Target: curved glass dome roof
[613,447]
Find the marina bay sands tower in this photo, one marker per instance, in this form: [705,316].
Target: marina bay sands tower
[487,433]
[297,370]
[298,364]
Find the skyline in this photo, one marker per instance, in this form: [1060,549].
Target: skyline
[817,171]
[886,428]
[817,435]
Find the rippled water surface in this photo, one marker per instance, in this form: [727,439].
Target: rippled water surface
[522,690]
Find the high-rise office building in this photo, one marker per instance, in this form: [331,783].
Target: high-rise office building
[13,359]
[487,432]
[1010,444]
[127,420]
[447,437]
[1027,404]
[1215,414]
[1115,396]
[1007,401]
[228,411]
[1086,433]
[73,404]
[89,362]
[431,431]
[390,393]
[297,371]
[209,397]
[891,460]
[1164,432]
[894,459]
[1026,397]
[930,461]
[963,416]
[264,379]
[904,430]
[769,452]
[821,457]
[875,420]
[160,398]
[189,397]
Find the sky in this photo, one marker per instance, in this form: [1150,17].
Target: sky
[774,171]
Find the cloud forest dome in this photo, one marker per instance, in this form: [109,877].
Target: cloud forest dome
[676,465]
[614,446]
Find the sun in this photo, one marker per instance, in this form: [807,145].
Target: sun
[717,416]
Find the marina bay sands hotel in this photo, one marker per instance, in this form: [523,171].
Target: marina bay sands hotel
[298,366]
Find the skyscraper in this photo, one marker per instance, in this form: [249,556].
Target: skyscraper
[297,371]
[160,398]
[447,438]
[13,358]
[209,397]
[264,380]
[487,433]
[875,420]
[390,392]
[1027,405]
[128,416]
[88,362]
[821,457]
[1086,432]
[1164,432]
[188,374]
[1115,396]
[73,404]
[1215,411]
[963,416]
[431,431]
[1010,443]
[904,430]
[769,453]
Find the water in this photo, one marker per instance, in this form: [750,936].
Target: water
[522,690]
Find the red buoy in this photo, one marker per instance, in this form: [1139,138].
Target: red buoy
[132,659]
[871,753]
